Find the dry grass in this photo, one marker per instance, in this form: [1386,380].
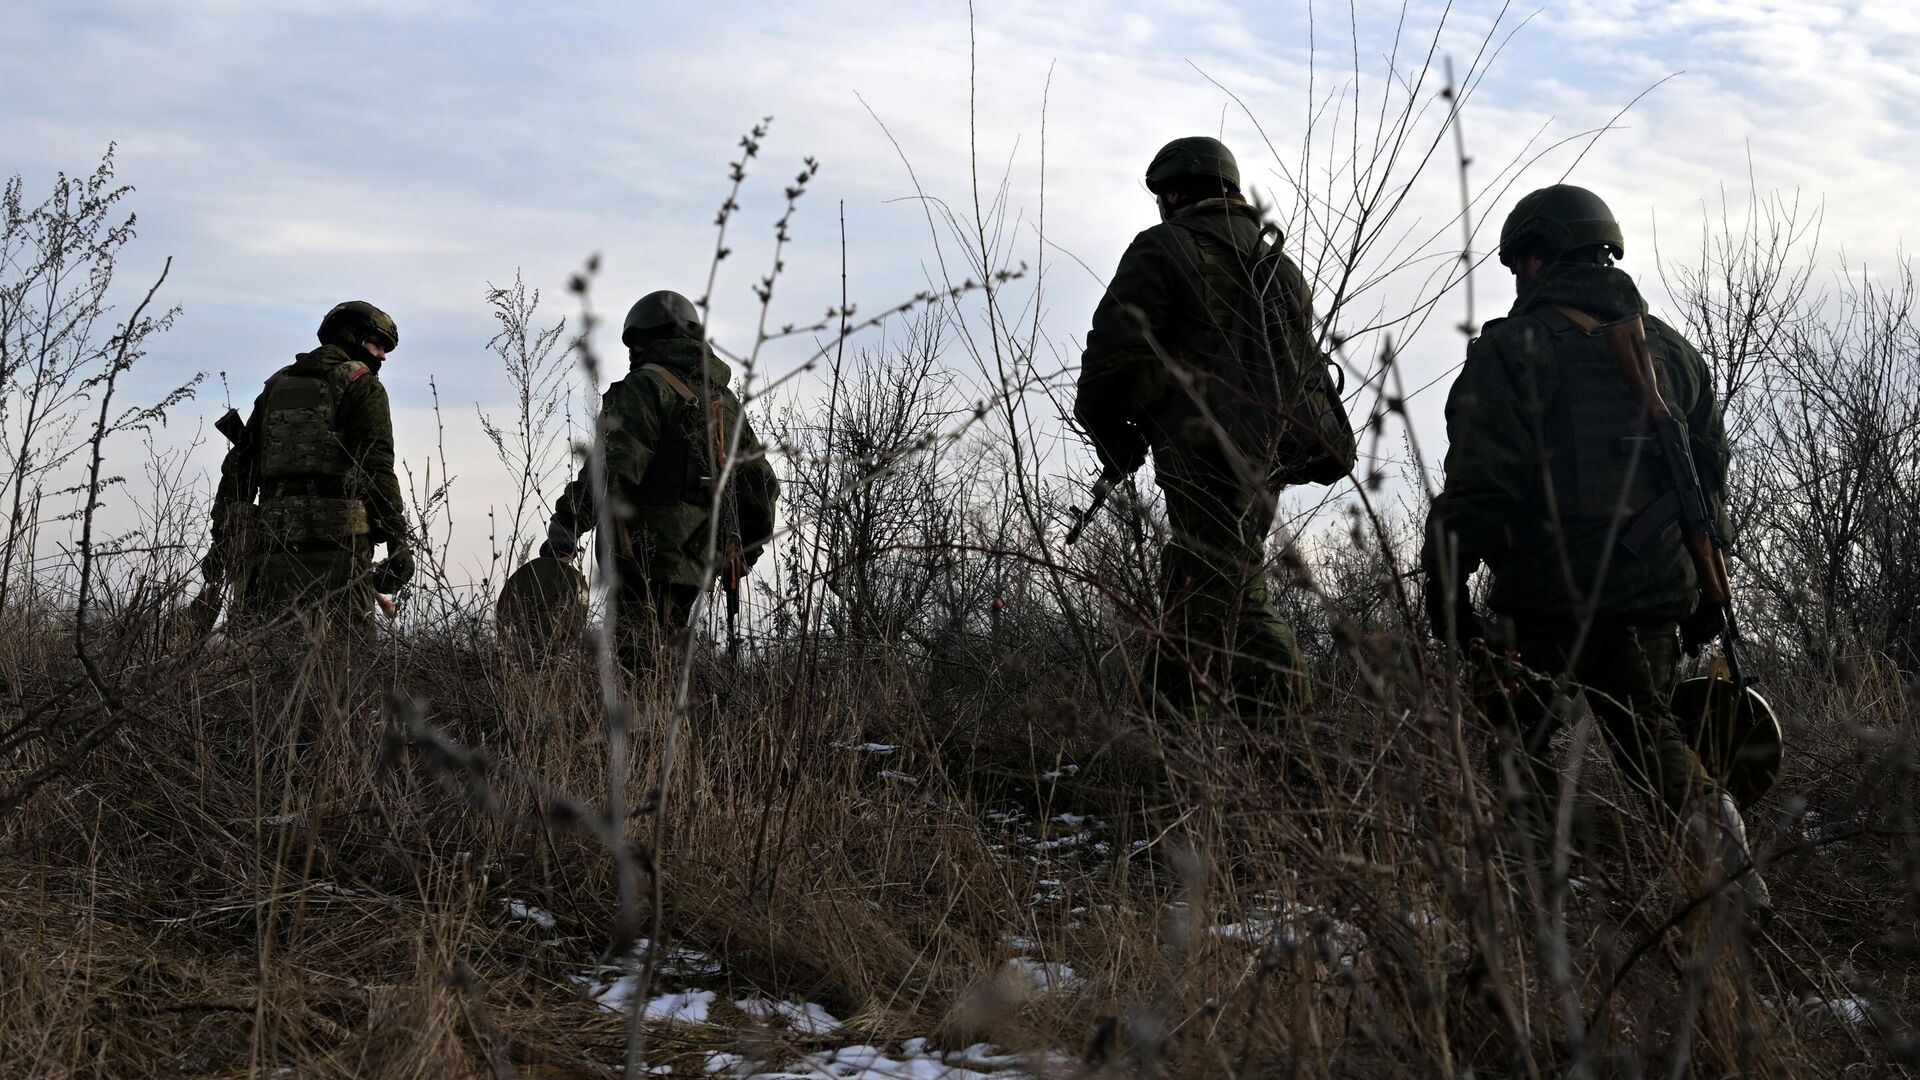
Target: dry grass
[272,874]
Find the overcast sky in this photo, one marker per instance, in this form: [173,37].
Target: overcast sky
[408,151]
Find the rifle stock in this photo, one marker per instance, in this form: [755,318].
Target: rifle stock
[1101,489]
[1627,340]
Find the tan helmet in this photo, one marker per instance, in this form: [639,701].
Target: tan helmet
[355,321]
[1736,734]
[543,603]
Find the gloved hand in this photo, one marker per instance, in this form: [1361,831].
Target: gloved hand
[1122,447]
[562,542]
[1699,629]
[1459,618]
[395,570]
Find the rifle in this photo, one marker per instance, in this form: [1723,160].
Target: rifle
[235,429]
[1101,489]
[204,609]
[734,569]
[1627,340]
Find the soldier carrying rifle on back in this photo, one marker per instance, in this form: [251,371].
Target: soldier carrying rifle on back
[317,455]
[670,424]
[1586,466]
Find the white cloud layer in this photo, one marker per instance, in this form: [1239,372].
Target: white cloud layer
[292,155]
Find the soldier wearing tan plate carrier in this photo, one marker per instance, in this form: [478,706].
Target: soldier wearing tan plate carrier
[307,488]
[1586,467]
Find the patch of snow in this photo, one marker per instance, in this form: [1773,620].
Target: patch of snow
[525,912]
[802,1016]
[1046,978]
[867,747]
[915,1060]
[688,1006]
[1070,840]
[1074,821]
[900,777]
[1295,925]
[1062,771]
[1851,1010]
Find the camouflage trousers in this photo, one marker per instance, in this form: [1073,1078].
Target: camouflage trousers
[651,615]
[1224,640]
[1627,670]
[324,582]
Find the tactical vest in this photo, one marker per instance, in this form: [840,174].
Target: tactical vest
[1604,463]
[304,467]
[678,474]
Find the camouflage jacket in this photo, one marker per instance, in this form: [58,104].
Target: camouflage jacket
[1182,282]
[656,460]
[1546,463]
[358,464]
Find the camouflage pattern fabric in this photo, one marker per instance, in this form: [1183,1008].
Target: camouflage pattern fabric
[319,452]
[656,462]
[1220,621]
[1626,669]
[326,582]
[652,614]
[1220,618]
[1545,478]
[1550,483]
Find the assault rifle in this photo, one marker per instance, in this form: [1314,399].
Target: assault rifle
[733,569]
[204,609]
[1627,340]
[1102,488]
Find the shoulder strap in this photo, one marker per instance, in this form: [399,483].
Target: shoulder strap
[679,385]
[1587,323]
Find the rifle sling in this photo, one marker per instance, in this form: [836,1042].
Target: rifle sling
[1651,521]
[1587,323]
[679,385]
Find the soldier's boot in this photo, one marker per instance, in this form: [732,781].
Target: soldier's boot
[1719,837]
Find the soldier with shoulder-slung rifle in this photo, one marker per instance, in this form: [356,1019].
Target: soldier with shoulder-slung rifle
[307,488]
[1586,467]
[673,430]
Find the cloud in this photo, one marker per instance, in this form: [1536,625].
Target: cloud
[295,155]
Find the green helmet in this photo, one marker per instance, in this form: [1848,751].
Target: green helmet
[1735,732]
[660,314]
[544,603]
[1560,219]
[355,321]
[1195,157]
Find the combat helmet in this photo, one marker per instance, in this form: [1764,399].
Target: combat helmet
[1560,219]
[357,321]
[1196,157]
[543,603]
[660,314]
[1736,733]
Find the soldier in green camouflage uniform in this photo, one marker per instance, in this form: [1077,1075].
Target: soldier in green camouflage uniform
[1552,482]
[1174,291]
[318,454]
[660,422]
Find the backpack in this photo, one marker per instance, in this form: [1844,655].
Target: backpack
[1280,403]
